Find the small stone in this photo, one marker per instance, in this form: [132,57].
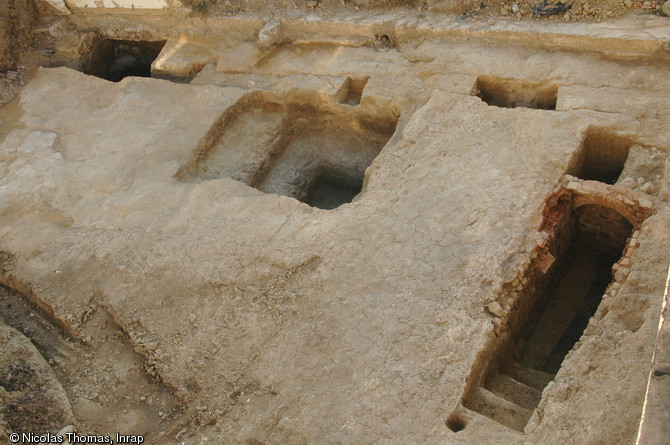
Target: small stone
[566,18]
[627,182]
[645,203]
[495,308]
[646,4]
[11,74]
[270,35]
[505,11]
[143,398]
[572,185]
[515,8]
[666,8]
[648,187]
[621,275]
[628,3]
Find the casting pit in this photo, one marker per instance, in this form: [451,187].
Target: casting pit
[586,238]
[512,93]
[594,238]
[114,60]
[602,155]
[308,148]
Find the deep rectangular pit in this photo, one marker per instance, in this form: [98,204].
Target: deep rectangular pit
[601,156]
[572,298]
[114,60]
[554,308]
[512,93]
[310,149]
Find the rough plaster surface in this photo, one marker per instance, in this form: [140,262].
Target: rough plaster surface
[276,322]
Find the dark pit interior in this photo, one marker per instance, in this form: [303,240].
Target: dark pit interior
[331,190]
[456,423]
[113,60]
[583,271]
[512,93]
[601,156]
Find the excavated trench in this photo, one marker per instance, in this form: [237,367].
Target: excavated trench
[559,305]
[586,235]
[104,381]
[512,93]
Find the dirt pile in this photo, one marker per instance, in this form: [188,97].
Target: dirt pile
[17,18]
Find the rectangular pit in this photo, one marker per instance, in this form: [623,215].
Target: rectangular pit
[114,60]
[513,93]
[560,292]
[310,149]
[601,156]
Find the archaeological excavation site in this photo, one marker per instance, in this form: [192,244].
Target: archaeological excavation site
[334,221]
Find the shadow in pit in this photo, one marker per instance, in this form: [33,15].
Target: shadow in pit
[513,93]
[115,60]
[602,155]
